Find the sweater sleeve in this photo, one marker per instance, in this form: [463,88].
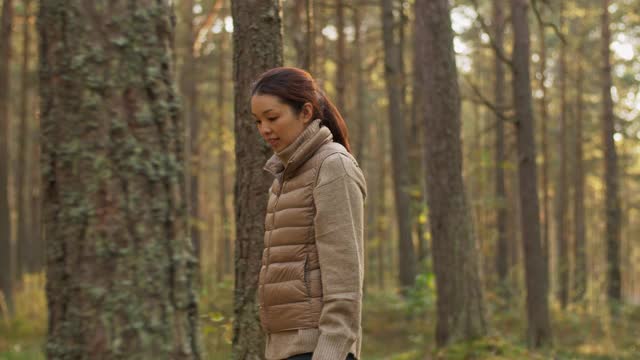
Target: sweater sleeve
[339,198]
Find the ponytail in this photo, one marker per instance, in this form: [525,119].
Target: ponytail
[332,119]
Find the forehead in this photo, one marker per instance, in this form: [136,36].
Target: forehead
[260,103]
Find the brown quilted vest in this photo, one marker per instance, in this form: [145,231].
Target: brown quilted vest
[290,286]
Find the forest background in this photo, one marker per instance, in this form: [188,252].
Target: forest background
[513,125]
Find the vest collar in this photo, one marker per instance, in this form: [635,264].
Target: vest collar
[300,150]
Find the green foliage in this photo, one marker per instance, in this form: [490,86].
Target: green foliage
[422,295]
[21,337]
[216,317]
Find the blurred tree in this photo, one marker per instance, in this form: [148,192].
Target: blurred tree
[393,80]
[25,243]
[460,309]
[562,188]
[189,90]
[539,330]
[611,179]
[6,252]
[502,246]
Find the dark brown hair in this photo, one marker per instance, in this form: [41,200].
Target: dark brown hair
[295,87]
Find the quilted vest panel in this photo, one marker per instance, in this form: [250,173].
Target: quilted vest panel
[290,284]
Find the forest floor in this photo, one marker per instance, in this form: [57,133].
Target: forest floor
[393,329]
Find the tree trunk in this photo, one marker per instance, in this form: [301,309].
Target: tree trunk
[502,258]
[539,331]
[580,246]
[225,219]
[455,257]
[299,38]
[393,80]
[25,236]
[612,201]
[544,118]
[341,60]
[562,190]
[120,265]
[382,219]
[6,271]
[310,61]
[415,153]
[361,111]
[320,43]
[257,44]
[190,100]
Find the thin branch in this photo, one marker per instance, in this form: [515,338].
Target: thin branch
[499,51]
[498,111]
[543,23]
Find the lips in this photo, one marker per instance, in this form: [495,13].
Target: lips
[272,141]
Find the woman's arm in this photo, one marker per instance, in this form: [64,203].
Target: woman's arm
[339,199]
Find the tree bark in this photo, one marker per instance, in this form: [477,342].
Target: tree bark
[222,162]
[400,164]
[460,309]
[120,265]
[562,189]
[310,61]
[544,118]
[189,84]
[416,161]
[612,201]
[502,258]
[580,246]
[341,60]
[257,44]
[6,269]
[361,111]
[539,331]
[25,236]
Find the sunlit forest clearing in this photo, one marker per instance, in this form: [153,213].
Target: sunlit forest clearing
[499,139]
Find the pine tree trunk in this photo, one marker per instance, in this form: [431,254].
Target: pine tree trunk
[580,246]
[612,201]
[25,236]
[225,219]
[383,221]
[393,80]
[360,114]
[257,44]
[120,265]
[6,271]
[544,118]
[416,150]
[310,61]
[502,258]
[539,331]
[189,80]
[341,60]
[562,190]
[460,310]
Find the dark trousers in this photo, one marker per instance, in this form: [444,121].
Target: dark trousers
[307,356]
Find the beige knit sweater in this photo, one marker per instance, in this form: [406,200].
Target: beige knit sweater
[339,197]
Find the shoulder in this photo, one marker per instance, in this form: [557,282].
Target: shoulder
[339,165]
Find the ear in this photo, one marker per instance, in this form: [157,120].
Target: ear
[306,113]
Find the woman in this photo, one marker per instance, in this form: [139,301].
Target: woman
[310,287]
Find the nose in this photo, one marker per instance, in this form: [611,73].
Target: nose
[265,129]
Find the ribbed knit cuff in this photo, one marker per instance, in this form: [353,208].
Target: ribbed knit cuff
[332,347]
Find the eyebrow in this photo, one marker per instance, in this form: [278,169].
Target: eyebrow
[264,112]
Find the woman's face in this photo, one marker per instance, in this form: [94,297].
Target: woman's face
[277,122]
